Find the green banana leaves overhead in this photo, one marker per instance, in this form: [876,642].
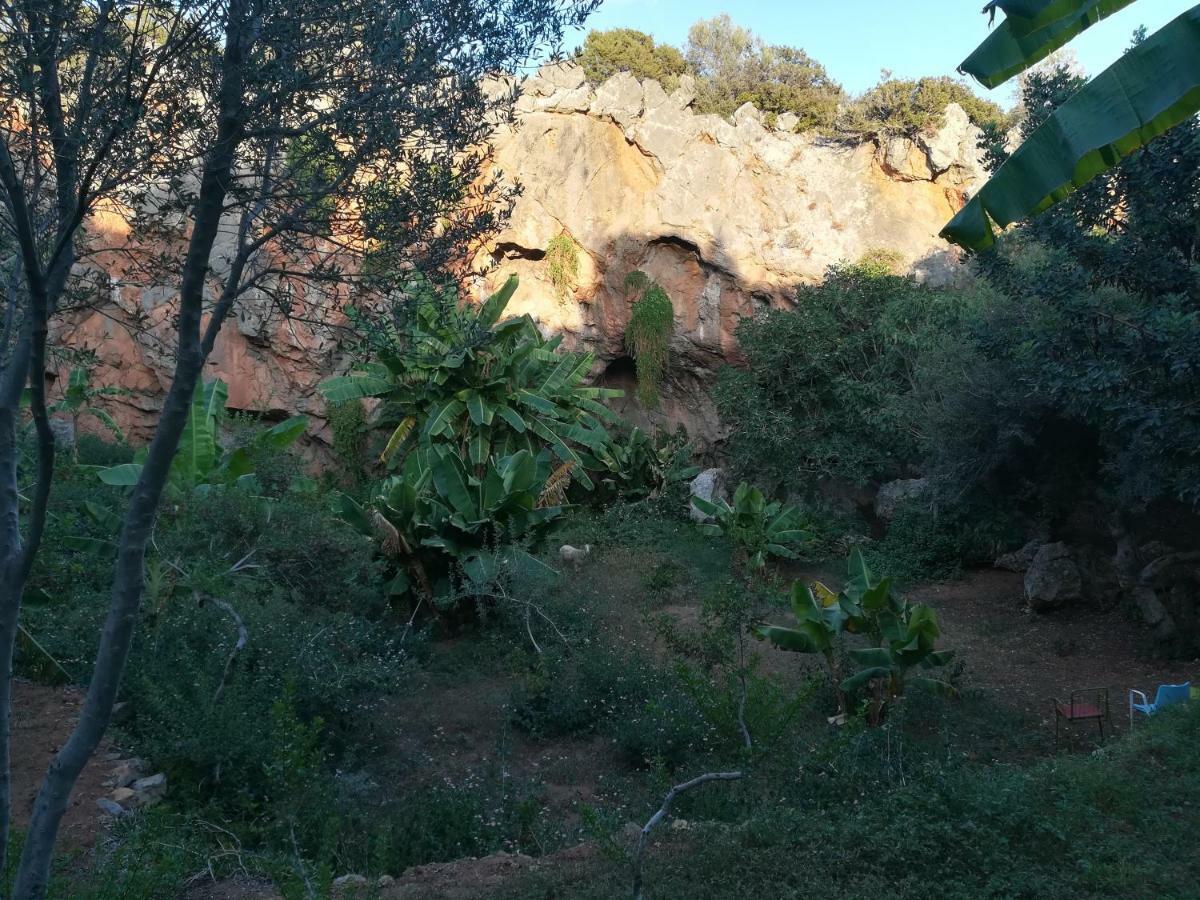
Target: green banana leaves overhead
[1151,89]
[1032,31]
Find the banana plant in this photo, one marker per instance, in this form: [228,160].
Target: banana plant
[78,400]
[821,618]
[644,466]
[437,517]
[756,528]
[1151,89]
[903,636]
[459,376]
[200,463]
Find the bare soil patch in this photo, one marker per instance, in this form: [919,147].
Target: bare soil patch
[43,717]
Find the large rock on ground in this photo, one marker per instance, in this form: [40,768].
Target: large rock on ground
[1168,597]
[1052,579]
[708,485]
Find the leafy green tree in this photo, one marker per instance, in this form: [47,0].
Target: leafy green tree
[827,387]
[605,53]
[733,66]
[197,117]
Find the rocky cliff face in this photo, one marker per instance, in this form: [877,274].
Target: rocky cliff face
[728,217]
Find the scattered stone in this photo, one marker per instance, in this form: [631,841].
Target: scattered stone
[1018,560]
[385,881]
[1168,597]
[150,790]
[1053,578]
[746,114]
[127,772]
[681,825]
[110,807]
[632,832]
[63,431]
[892,494]
[708,485]
[124,796]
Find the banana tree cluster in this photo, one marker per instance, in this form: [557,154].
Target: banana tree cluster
[756,528]
[903,636]
[201,463]
[643,466]
[457,376]
[439,515]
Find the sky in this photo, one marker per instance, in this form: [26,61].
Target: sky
[856,39]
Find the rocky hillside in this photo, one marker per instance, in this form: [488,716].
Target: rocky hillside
[727,216]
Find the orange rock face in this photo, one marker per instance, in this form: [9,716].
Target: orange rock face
[728,217]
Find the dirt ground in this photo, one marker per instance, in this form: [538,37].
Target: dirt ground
[43,717]
[1022,659]
[1026,658]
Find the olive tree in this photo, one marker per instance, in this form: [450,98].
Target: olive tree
[248,146]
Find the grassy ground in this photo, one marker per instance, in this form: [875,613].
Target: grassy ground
[554,730]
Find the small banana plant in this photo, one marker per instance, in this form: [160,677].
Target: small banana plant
[79,400]
[437,516]
[756,528]
[904,636]
[200,463]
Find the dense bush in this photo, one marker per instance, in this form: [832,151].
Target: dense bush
[300,588]
[828,389]
[731,65]
[605,53]
[899,107]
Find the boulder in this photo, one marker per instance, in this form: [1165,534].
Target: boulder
[708,485]
[148,791]
[746,114]
[1167,596]
[1018,560]
[787,122]
[618,99]
[892,494]
[63,430]
[110,807]
[1052,579]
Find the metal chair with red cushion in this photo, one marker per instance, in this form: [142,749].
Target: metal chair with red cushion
[1085,705]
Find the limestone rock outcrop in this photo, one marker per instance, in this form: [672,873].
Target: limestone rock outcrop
[728,216]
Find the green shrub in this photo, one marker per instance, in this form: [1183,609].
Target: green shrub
[605,53]
[828,390]
[562,265]
[899,107]
[733,66]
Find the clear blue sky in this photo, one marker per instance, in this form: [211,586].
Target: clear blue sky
[855,39]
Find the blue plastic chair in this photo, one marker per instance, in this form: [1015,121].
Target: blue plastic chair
[1167,694]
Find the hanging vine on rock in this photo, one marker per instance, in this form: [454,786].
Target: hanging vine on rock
[648,335]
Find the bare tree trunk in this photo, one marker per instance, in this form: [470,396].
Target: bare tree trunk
[129,576]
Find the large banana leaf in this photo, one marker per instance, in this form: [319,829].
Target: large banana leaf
[1033,30]
[1152,88]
